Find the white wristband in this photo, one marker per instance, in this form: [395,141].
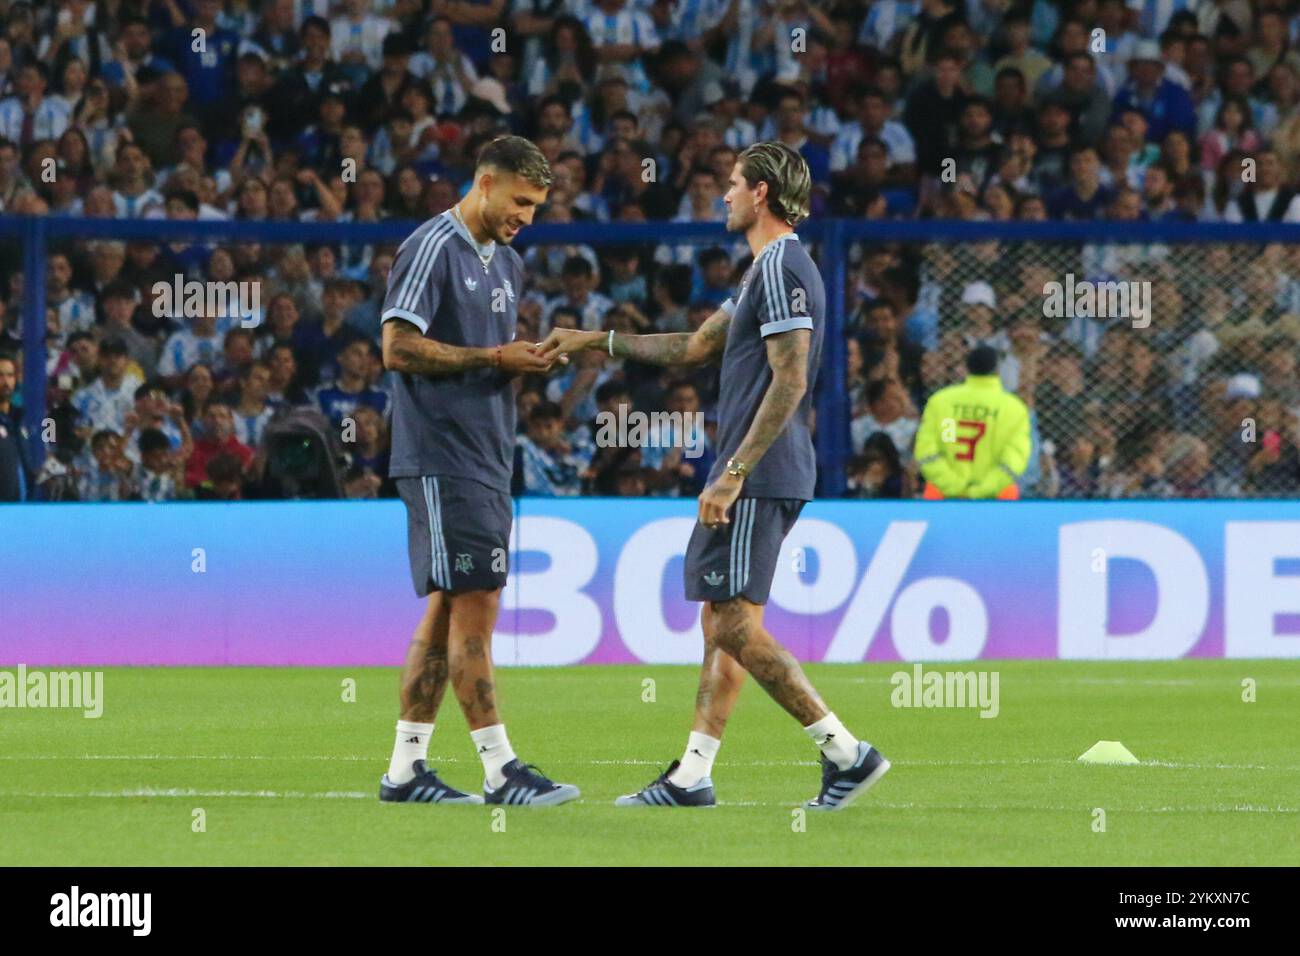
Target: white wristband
[611,343]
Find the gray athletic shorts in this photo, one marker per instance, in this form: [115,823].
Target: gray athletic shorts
[740,558]
[458,533]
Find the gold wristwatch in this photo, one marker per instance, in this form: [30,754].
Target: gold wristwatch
[737,469]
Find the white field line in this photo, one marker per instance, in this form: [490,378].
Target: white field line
[366,795]
[1027,808]
[371,758]
[882,805]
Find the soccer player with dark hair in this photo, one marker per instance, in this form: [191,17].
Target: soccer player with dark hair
[448,331]
[769,339]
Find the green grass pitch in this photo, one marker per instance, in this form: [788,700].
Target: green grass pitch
[287,772]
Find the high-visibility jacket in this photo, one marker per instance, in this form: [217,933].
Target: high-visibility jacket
[974,439]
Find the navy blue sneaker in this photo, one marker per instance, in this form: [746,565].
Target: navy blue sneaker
[842,787]
[526,786]
[424,787]
[662,792]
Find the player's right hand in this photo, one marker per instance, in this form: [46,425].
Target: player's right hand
[524,358]
[563,341]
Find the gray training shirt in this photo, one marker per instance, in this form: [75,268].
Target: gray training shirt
[462,424]
[781,291]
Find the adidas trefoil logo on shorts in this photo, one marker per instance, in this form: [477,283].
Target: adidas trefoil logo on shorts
[713,579]
[464,564]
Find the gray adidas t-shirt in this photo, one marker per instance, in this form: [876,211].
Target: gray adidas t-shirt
[781,291]
[464,424]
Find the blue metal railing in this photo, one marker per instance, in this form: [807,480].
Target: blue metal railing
[834,235]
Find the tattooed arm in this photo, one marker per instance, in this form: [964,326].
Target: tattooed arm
[671,348]
[407,350]
[787,354]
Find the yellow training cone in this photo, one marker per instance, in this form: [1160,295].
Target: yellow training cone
[1108,751]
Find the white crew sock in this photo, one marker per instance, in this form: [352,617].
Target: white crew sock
[494,750]
[834,740]
[412,745]
[697,762]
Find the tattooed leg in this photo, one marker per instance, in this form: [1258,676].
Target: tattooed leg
[424,678]
[721,678]
[473,618]
[742,636]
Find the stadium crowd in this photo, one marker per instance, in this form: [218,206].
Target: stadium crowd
[363,110]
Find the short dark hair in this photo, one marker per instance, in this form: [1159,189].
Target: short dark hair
[982,360]
[546,411]
[117,289]
[610,390]
[876,389]
[153,385]
[319,23]
[677,280]
[701,171]
[151,440]
[101,436]
[714,254]
[247,371]
[395,44]
[186,196]
[514,154]
[38,66]
[560,310]
[1014,72]
[552,99]
[576,266]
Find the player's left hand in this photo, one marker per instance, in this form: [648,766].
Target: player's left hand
[716,500]
[564,341]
